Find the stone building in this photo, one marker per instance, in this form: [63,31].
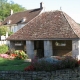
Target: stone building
[49,34]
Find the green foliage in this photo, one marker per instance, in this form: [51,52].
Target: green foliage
[10,33]
[4,29]
[20,54]
[6,6]
[3,49]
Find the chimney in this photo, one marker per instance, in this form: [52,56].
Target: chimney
[11,12]
[41,5]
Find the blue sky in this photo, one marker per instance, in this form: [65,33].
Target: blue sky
[71,7]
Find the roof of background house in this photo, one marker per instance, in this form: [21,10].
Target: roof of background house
[18,17]
[48,25]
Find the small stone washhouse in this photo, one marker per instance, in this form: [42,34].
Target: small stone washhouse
[49,34]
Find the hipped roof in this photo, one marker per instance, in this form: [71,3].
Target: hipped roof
[48,25]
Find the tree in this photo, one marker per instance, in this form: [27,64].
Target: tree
[6,6]
[4,29]
[2,5]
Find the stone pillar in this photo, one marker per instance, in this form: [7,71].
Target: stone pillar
[11,45]
[76,48]
[30,48]
[48,51]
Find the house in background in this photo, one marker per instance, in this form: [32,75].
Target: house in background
[17,20]
[49,34]
[3,39]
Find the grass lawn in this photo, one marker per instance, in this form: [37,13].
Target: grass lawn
[12,65]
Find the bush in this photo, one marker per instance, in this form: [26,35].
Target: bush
[42,65]
[3,48]
[65,62]
[69,62]
[20,54]
[79,62]
[29,68]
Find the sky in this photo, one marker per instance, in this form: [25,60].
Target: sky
[70,7]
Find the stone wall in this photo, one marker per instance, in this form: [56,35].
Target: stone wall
[67,74]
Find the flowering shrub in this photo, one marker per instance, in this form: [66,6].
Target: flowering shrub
[12,54]
[79,62]
[4,56]
[69,62]
[63,63]
[29,68]
[20,54]
[34,60]
[43,66]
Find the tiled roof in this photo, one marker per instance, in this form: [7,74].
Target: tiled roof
[18,17]
[48,25]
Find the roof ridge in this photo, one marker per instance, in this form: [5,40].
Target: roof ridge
[69,23]
[25,11]
[22,12]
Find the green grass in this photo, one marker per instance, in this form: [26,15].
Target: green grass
[12,65]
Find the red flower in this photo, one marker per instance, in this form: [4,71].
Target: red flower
[29,68]
[79,62]
[13,55]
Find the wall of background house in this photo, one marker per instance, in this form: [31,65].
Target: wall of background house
[15,28]
[62,50]
[12,28]
[19,26]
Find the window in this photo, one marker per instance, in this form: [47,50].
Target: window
[9,21]
[18,43]
[60,43]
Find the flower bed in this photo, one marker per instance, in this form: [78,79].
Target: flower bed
[18,54]
[4,56]
[51,64]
